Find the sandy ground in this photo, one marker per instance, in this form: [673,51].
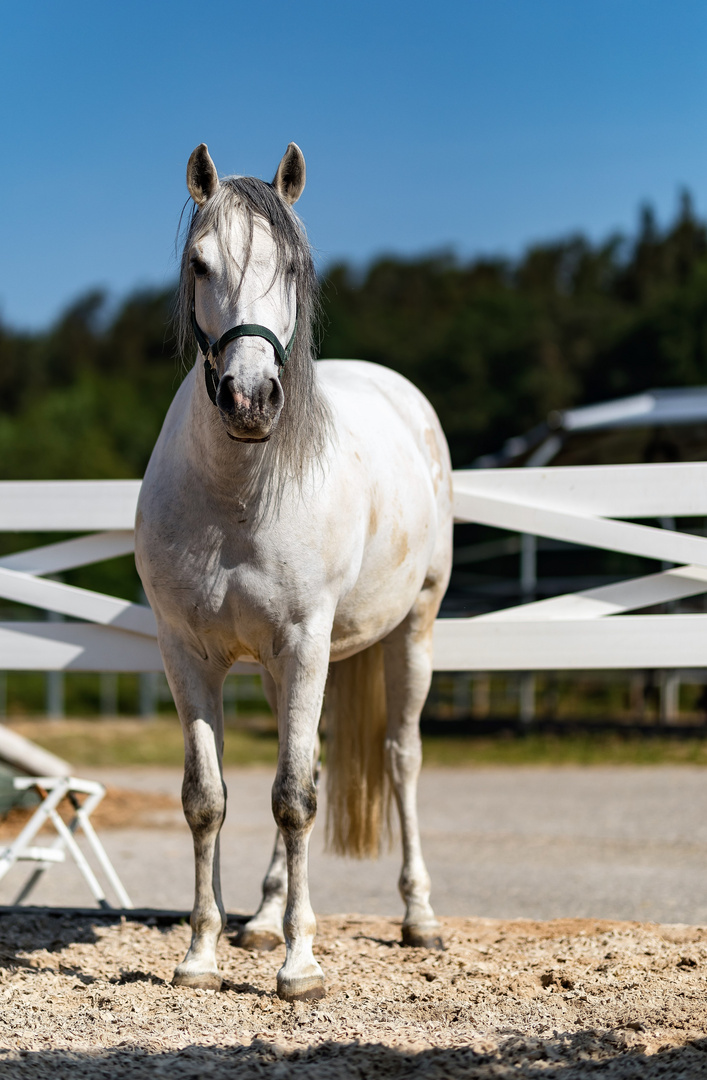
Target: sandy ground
[565,999]
[542,843]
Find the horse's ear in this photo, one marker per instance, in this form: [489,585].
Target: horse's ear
[291,174]
[202,178]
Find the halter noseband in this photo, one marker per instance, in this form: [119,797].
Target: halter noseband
[210,351]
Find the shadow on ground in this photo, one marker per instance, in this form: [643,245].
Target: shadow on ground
[563,1056]
[27,931]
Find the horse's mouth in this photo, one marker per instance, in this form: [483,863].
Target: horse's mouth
[247,428]
[243,438]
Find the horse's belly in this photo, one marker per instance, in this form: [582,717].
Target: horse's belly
[354,630]
[397,457]
[381,598]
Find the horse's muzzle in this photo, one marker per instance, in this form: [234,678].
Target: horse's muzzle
[250,415]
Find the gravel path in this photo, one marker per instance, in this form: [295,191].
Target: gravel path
[620,843]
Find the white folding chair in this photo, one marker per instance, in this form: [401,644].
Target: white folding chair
[52,790]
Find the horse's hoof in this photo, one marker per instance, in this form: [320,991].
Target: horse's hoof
[422,938]
[260,940]
[197,980]
[309,988]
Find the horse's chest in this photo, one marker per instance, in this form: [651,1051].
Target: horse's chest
[231,595]
[238,589]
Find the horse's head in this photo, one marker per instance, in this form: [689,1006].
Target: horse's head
[240,266]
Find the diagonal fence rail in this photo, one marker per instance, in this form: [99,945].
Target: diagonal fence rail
[595,506]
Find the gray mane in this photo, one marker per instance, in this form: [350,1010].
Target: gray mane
[304,426]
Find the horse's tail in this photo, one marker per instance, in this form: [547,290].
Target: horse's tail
[358,796]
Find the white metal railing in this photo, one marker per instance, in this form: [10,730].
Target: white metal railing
[584,505]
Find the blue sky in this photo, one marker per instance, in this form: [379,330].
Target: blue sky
[478,126]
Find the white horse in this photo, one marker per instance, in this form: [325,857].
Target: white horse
[296,515]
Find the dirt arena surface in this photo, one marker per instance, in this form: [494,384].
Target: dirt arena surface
[86,997]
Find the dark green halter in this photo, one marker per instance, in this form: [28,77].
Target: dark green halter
[210,351]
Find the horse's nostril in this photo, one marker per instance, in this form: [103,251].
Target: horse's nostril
[225,393]
[276,395]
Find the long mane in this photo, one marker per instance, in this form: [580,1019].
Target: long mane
[304,427]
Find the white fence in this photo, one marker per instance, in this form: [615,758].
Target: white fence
[586,505]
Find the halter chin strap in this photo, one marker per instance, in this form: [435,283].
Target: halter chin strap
[210,351]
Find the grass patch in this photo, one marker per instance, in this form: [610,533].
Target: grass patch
[159,742]
[570,749]
[138,742]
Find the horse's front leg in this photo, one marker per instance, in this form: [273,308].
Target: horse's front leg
[197,690]
[300,680]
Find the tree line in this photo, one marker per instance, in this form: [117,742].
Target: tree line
[495,344]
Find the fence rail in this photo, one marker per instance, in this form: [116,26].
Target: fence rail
[591,506]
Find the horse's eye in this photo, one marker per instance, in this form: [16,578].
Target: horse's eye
[199,266]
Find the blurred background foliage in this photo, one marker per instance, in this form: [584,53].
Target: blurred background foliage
[495,344]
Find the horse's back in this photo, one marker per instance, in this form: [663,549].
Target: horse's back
[374,380]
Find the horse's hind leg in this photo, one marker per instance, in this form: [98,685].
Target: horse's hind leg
[264,931]
[197,691]
[408,672]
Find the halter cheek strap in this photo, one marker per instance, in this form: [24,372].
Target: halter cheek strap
[210,351]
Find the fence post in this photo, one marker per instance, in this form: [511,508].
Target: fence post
[669,697]
[528,589]
[148,694]
[54,687]
[526,697]
[109,693]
